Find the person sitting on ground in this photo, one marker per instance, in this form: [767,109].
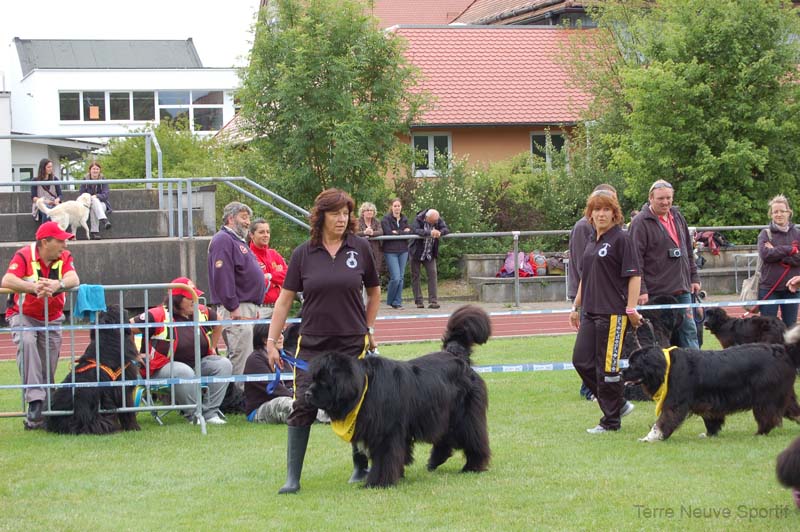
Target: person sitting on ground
[271,263]
[171,349]
[98,212]
[50,193]
[261,404]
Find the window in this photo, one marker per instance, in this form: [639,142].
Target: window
[94,106]
[144,106]
[541,148]
[428,148]
[119,104]
[70,105]
[22,173]
[201,109]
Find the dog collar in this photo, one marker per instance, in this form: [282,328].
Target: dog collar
[113,374]
[346,427]
[661,393]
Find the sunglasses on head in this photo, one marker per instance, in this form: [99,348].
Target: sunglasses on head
[660,184]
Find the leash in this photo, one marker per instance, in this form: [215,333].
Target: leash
[293,362]
[786,269]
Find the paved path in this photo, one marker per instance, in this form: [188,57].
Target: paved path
[412,324]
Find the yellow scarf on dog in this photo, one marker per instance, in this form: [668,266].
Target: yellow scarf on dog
[347,427]
[661,393]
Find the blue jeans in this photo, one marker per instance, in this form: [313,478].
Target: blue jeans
[396,264]
[687,333]
[788,311]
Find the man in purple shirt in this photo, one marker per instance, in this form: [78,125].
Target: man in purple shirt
[236,282]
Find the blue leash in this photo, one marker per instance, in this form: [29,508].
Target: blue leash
[292,361]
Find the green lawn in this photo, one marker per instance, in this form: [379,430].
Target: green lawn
[547,473]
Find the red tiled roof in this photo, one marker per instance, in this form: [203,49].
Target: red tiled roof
[394,12]
[485,75]
[505,11]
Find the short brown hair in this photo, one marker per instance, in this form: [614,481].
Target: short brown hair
[330,200]
[598,200]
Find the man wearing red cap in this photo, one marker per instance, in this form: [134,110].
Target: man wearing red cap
[39,274]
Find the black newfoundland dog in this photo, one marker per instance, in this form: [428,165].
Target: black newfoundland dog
[787,469]
[437,398]
[713,384]
[660,327]
[737,331]
[118,359]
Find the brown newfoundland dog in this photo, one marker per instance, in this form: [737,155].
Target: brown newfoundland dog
[437,398]
[713,384]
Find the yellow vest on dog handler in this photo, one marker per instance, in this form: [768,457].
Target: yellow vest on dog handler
[347,427]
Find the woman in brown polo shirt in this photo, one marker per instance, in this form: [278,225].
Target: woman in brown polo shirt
[608,291]
[331,269]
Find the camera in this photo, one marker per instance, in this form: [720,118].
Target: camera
[674,253]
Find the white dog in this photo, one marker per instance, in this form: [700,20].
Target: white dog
[70,213]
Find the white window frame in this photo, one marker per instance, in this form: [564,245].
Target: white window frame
[431,170]
[157,107]
[548,149]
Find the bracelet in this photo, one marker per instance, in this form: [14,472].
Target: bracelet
[630,310]
[273,340]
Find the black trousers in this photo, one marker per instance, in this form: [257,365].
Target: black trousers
[596,356]
[310,347]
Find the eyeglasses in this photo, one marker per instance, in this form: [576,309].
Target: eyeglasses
[660,184]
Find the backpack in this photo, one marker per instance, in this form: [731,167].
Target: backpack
[507,270]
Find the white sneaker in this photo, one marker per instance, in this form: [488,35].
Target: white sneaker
[215,420]
[599,429]
[626,409]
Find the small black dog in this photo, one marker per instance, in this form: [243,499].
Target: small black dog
[118,358]
[713,384]
[787,469]
[436,398]
[737,331]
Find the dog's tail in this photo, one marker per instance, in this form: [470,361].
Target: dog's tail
[468,325]
[42,206]
[792,340]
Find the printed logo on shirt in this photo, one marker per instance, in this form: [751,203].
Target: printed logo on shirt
[13,266]
[244,249]
[218,264]
[142,316]
[604,250]
[351,261]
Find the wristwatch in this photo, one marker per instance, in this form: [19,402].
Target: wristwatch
[61,282]
[371,330]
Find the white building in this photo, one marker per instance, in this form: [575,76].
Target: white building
[103,87]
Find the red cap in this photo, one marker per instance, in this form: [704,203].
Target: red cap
[51,229]
[184,292]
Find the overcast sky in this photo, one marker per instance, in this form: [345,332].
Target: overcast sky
[221,29]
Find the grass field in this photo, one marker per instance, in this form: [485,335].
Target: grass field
[547,473]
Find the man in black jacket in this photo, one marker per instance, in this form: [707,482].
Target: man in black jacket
[662,240]
[424,251]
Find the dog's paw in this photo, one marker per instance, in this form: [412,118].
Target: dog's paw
[654,435]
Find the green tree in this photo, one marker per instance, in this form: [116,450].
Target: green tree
[326,95]
[703,94]
[183,154]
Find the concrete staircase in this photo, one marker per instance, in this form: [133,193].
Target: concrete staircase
[137,248]
[722,274]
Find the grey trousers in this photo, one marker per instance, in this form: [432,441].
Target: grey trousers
[430,268]
[97,212]
[238,338]
[37,354]
[211,365]
[277,411]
